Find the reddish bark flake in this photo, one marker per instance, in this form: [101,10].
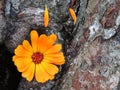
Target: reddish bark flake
[86,81]
[110,15]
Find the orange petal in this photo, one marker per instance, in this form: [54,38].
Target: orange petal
[29,73]
[52,38]
[57,58]
[15,57]
[27,46]
[46,16]
[23,68]
[45,42]
[73,15]
[58,61]
[21,51]
[34,38]
[54,49]
[50,68]
[22,63]
[41,75]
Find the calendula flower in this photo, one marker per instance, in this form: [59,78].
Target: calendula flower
[73,15]
[39,59]
[46,17]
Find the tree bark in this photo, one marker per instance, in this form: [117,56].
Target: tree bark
[91,46]
[97,44]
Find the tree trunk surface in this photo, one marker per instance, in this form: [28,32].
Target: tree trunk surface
[91,46]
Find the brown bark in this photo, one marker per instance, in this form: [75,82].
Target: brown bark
[97,41]
[91,46]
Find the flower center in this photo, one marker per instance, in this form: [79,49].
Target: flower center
[37,57]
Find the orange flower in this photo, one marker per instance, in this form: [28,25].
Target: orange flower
[73,15]
[46,17]
[39,59]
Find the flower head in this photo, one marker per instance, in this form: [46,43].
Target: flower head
[39,59]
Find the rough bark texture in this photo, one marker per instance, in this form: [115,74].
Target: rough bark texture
[97,64]
[91,46]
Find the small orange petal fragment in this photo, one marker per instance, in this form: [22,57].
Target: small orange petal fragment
[46,16]
[73,15]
